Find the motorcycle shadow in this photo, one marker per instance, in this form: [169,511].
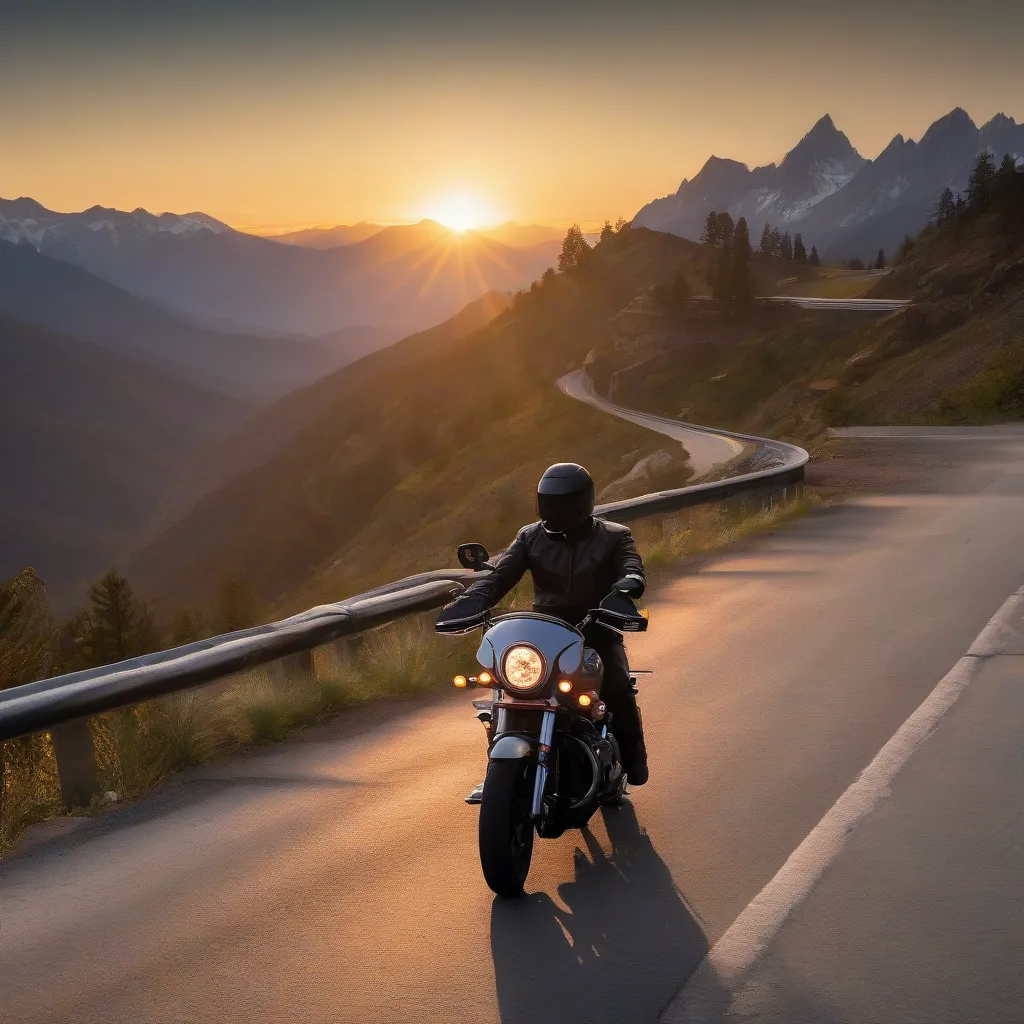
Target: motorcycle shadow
[620,951]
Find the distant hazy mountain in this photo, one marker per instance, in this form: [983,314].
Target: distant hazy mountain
[64,298]
[88,441]
[405,277]
[522,236]
[329,237]
[824,189]
[263,435]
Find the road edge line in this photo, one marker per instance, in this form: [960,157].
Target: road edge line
[708,991]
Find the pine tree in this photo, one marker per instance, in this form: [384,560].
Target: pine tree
[680,290]
[961,205]
[787,247]
[607,231]
[726,229]
[946,208]
[622,225]
[982,182]
[235,606]
[880,260]
[1007,172]
[116,625]
[776,247]
[741,290]
[710,236]
[814,259]
[799,252]
[28,646]
[187,627]
[574,249]
[765,248]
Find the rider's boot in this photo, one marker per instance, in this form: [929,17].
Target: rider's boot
[636,765]
[477,795]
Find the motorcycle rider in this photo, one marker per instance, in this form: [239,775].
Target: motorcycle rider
[575,561]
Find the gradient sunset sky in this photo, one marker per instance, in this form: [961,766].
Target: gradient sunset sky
[291,114]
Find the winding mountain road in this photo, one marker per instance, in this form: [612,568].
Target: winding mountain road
[708,450]
[335,878]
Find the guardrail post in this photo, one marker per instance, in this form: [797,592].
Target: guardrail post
[76,763]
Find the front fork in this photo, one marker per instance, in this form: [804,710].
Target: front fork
[547,732]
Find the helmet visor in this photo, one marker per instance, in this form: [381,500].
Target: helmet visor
[561,512]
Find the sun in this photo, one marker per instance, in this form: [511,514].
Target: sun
[461,213]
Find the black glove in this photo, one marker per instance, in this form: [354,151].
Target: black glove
[458,614]
[631,585]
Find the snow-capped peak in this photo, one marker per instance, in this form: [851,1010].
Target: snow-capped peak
[25,220]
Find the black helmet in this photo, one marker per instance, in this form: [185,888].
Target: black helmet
[565,497]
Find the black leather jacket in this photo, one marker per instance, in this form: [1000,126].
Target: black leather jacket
[571,572]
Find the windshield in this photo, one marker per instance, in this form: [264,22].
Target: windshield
[560,645]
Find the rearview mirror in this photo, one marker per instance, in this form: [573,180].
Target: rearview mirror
[474,556]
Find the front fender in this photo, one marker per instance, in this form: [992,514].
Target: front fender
[511,748]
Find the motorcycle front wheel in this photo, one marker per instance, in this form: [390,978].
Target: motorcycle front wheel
[506,830]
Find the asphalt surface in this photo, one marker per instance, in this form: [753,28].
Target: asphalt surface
[921,916]
[854,305]
[336,879]
[707,450]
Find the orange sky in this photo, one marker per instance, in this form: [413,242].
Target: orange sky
[383,127]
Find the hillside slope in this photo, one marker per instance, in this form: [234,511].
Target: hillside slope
[68,300]
[956,355]
[421,445]
[88,441]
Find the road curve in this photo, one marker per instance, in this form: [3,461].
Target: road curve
[707,449]
[335,878]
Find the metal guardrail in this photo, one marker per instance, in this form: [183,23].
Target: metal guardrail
[51,704]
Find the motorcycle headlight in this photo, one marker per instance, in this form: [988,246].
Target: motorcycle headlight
[522,668]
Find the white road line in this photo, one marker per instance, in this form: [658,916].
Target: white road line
[723,971]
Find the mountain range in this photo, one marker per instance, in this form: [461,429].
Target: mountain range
[824,189]
[68,300]
[402,278]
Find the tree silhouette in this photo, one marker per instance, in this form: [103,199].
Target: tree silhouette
[982,181]
[574,250]
[799,252]
[607,231]
[710,234]
[946,207]
[765,249]
[27,636]
[742,281]
[814,259]
[880,260]
[115,625]
[787,247]
[188,626]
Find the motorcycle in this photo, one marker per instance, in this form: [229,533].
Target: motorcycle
[552,754]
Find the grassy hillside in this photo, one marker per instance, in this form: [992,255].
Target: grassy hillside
[956,355]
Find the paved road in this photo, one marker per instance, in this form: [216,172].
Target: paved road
[707,450]
[335,879]
[856,305]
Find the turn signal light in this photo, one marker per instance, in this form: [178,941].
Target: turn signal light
[584,700]
[460,682]
[564,686]
[484,678]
